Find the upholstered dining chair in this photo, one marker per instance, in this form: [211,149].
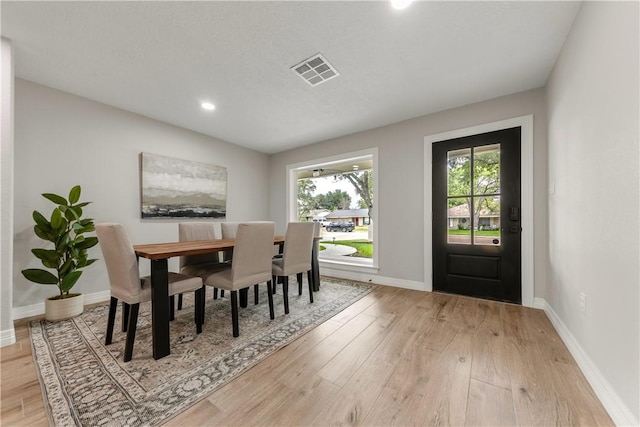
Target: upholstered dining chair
[199,265]
[251,264]
[296,258]
[229,230]
[130,288]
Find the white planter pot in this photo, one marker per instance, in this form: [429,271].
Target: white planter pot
[59,309]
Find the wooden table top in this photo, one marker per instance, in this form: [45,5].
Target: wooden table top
[195,247]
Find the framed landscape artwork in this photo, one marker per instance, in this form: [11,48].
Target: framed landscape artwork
[174,188]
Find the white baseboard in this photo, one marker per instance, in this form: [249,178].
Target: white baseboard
[539,303]
[618,411]
[38,309]
[373,278]
[7,337]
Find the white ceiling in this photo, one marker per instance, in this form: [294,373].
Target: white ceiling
[161,59]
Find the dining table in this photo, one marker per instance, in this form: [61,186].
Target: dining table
[159,253]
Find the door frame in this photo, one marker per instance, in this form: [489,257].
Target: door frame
[526,166]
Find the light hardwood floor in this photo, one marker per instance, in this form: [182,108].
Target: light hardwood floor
[396,357]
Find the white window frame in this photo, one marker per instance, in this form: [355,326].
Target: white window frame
[350,263]
[526,194]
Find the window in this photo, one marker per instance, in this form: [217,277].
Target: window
[473,194]
[339,193]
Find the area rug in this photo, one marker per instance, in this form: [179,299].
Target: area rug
[87,383]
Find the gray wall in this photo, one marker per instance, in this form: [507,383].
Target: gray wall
[593,112]
[62,140]
[401,183]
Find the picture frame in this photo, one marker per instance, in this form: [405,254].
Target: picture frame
[176,188]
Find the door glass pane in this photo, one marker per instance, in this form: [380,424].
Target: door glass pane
[459,172]
[486,169]
[486,213]
[459,221]
[486,181]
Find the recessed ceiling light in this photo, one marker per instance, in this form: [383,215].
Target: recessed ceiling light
[208,106]
[400,4]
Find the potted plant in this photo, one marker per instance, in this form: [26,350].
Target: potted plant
[65,229]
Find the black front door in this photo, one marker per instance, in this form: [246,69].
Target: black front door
[476,216]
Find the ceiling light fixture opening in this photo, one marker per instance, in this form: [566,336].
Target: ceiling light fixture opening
[400,4]
[208,106]
[315,70]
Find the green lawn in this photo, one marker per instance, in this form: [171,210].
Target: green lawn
[364,248]
[455,232]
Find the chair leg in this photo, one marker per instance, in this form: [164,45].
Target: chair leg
[285,293]
[299,278]
[172,308]
[180,302]
[131,333]
[221,293]
[274,282]
[244,297]
[215,293]
[309,279]
[198,309]
[255,294]
[125,316]
[202,303]
[113,306]
[234,313]
[270,296]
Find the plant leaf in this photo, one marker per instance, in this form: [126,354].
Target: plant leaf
[58,200]
[82,205]
[87,243]
[50,264]
[66,267]
[74,194]
[56,219]
[43,234]
[41,220]
[74,213]
[86,221]
[45,254]
[70,214]
[42,277]
[70,280]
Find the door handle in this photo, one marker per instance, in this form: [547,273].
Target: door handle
[512,229]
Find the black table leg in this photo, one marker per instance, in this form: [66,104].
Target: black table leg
[315,266]
[160,308]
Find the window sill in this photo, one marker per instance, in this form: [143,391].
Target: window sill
[361,265]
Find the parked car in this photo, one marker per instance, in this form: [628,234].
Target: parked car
[341,226]
[322,222]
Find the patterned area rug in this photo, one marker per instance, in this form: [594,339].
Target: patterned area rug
[86,383]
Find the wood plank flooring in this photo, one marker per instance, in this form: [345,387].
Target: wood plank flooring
[396,357]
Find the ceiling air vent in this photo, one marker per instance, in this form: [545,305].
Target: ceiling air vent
[315,70]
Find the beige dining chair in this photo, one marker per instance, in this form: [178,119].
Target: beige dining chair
[251,264]
[128,287]
[229,230]
[199,265]
[296,259]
